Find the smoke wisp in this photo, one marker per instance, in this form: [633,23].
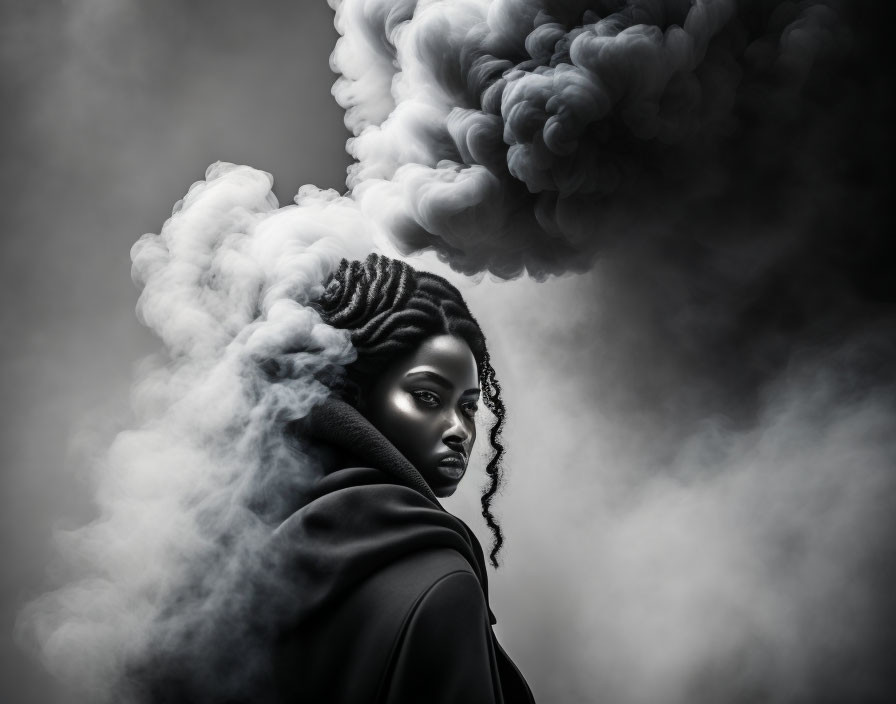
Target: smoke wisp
[187,496]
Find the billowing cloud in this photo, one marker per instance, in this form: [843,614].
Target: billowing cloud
[526,135]
[186,496]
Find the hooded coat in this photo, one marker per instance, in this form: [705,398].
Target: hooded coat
[394,594]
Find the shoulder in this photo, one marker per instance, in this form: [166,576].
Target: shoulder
[421,593]
[437,592]
[444,651]
[450,610]
[346,653]
[382,605]
[416,580]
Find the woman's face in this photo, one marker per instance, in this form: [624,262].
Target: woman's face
[425,405]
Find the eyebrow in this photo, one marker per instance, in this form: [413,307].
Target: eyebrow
[440,380]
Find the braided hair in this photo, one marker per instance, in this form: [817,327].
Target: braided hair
[390,309]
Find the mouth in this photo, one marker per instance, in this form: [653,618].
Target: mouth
[452,466]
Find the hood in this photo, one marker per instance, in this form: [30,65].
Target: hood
[360,518]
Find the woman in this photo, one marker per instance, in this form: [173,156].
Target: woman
[394,590]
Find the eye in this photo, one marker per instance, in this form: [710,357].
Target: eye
[470,408]
[427,398]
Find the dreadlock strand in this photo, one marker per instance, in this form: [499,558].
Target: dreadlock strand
[381,292]
[494,469]
[411,318]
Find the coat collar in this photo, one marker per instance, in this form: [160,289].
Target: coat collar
[336,423]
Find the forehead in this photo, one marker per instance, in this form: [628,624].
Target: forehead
[446,355]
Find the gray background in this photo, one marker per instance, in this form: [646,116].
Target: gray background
[679,528]
[111,110]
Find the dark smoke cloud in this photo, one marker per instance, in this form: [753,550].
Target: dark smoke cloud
[523,135]
[726,156]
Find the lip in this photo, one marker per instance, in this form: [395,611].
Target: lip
[452,465]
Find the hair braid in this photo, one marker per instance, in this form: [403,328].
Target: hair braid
[390,309]
[494,469]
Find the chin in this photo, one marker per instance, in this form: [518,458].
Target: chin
[443,492]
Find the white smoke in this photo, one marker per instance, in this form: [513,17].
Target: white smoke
[661,551]
[193,488]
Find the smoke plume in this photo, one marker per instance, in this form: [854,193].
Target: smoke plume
[519,135]
[725,156]
[187,496]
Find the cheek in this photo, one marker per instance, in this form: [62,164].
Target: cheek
[402,418]
[403,408]
[408,428]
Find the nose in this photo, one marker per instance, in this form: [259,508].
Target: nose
[457,435]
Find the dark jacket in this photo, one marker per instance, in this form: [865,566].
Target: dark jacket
[392,588]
